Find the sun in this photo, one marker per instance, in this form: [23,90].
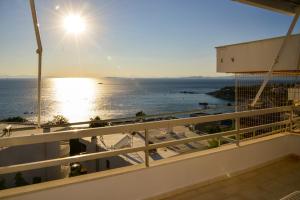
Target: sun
[74,24]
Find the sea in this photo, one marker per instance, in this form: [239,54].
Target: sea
[79,99]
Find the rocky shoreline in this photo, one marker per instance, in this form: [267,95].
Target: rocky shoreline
[226,93]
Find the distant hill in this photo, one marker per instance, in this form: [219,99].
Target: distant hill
[209,77]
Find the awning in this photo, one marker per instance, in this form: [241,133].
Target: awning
[283,6]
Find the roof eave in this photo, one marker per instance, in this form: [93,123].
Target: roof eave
[275,6]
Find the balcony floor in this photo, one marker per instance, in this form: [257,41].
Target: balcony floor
[270,182]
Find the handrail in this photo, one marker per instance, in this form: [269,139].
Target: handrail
[97,155]
[216,135]
[63,135]
[30,126]
[89,132]
[124,119]
[66,160]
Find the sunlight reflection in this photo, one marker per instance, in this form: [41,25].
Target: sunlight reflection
[75,97]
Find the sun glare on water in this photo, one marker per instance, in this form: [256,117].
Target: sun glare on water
[75,97]
[74,24]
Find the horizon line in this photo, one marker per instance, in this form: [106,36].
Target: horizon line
[125,77]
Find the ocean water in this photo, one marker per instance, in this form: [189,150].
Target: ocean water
[78,99]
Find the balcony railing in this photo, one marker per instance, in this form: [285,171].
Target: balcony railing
[284,123]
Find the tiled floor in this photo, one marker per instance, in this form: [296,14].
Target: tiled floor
[271,182]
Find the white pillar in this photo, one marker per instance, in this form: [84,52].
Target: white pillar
[39,51]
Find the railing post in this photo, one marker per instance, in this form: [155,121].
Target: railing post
[147,146]
[291,119]
[237,128]
[46,146]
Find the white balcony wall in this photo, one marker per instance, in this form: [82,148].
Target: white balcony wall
[138,182]
[258,56]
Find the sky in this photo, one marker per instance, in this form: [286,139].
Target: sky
[129,38]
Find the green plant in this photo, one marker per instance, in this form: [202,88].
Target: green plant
[213,143]
[97,122]
[140,114]
[58,120]
[14,119]
[19,180]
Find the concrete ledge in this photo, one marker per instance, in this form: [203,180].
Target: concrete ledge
[165,176]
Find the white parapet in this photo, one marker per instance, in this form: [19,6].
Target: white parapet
[258,56]
[139,182]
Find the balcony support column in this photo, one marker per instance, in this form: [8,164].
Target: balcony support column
[147,146]
[237,127]
[39,51]
[291,119]
[219,141]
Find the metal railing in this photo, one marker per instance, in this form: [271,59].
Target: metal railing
[143,126]
[122,120]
